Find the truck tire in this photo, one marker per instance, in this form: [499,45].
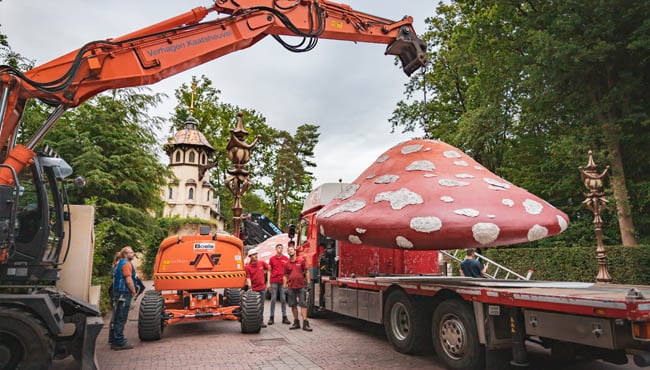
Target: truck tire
[150,317]
[233,296]
[455,338]
[25,343]
[405,324]
[251,309]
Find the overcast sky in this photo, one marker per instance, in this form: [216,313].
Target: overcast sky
[348,89]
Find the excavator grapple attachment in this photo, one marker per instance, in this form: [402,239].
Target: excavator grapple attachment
[411,51]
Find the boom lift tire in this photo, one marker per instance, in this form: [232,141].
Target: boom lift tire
[251,308]
[233,296]
[405,324]
[150,318]
[25,343]
[455,338]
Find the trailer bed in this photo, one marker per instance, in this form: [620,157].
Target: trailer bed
[592,299]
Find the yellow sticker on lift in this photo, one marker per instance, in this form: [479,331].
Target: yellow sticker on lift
[337,24]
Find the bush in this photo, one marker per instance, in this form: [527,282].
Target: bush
[626,265]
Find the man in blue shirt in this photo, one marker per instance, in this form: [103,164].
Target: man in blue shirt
[472,267]
[124,289]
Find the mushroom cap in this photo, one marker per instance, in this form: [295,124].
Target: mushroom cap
[427,194]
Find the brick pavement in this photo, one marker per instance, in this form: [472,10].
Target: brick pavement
[337,342]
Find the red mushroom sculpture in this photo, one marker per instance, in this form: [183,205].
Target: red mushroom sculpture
[426,194]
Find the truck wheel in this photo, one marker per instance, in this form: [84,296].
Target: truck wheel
[455,338]
[405,324]
[150,318]
[251,308]
[233,296]
[25,343]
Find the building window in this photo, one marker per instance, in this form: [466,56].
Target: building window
[207,196]
[191,157]
[190,194]
[178,157]
[171,192]
[203,158]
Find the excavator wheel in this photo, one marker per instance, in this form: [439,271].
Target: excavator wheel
[150,319]
[25,343]
[233,296]
[251,309]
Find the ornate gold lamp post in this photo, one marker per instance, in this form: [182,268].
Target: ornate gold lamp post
[596,201]
[239,153]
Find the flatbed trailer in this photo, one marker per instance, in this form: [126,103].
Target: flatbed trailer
[479,323]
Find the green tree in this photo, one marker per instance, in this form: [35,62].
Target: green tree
[291,179]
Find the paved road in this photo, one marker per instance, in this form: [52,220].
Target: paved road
[337,342]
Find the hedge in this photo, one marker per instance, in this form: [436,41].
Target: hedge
[626,265]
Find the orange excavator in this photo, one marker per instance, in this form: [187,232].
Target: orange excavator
[33,204]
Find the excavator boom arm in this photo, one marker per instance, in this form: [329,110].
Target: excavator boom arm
[177,44]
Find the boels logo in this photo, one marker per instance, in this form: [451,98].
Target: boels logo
[203,247]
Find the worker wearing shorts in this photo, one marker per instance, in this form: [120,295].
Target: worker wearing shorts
[295,275]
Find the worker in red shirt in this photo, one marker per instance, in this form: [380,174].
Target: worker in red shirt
[257,272]
[275,284]
[295,277]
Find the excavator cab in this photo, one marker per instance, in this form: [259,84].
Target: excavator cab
[32,219]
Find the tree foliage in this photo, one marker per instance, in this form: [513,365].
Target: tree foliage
[528,88]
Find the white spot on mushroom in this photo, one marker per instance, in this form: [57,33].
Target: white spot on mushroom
[446,199]
[492,216]
[421,166]
[426,224]
[562,222]
[402,242]
[427,149]
[533,207]
[492,187]
[465,176]
[508,202]
[429,175]
[354,239]
[348,191]
[386,179]
[411,149]
[467,212]
[351,206]
[452,182]
[461,163]
[371,176]
[496,183]
[383,158]
[537,232]
[485,232]
[400,198]
[479,168]
[360,230]
[451,154]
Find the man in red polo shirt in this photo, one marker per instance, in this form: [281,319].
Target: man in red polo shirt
[295,275]
[276,263]
[255,278]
